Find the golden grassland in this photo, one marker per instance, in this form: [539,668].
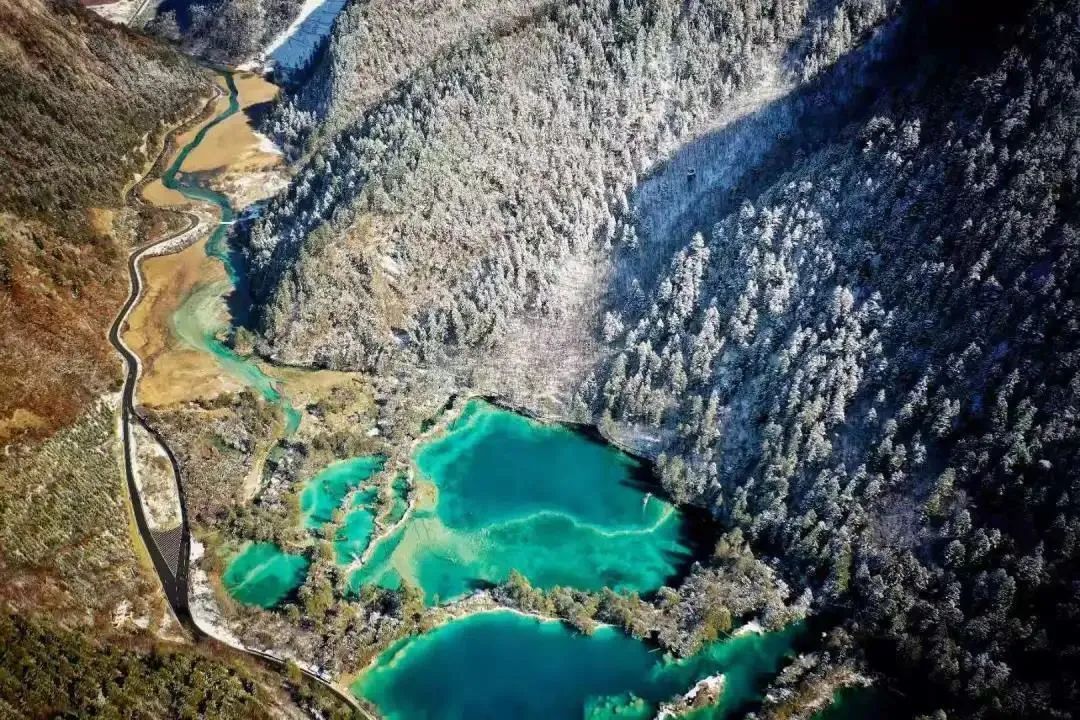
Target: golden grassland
[154,192]
[234,142]
[173,372]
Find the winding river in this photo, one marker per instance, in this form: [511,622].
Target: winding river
[195,328]
[199,321]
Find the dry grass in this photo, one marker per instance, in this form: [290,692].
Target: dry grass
[173,372]
[155,193]
[55,307]
[64,545]
[238,161]
[234,140]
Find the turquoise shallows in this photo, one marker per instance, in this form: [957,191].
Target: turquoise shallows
[325,492]
[500,492]
[504,665]
[399,500]
[203,316]
[262,574]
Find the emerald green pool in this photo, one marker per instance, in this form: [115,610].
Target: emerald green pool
[324,493]
[355,534]
[261,574]
[504,665]
[500,492]
[399,500]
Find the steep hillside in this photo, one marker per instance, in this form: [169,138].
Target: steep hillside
[841,320]
[466,193]
[224,31]
[374,46]
[871,367]
[85,630]
[43,671]
[82,106]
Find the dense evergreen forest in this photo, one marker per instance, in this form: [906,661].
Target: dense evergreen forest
[223,31]
[46,672]
[817,258]
[869,367]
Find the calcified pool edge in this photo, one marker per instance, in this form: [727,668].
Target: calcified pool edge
[497,492]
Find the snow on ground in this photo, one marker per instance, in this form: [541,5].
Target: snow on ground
[126,12]
[120,13]
[266,145]
[294,47]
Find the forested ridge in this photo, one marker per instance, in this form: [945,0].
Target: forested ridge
[83,107]
[56,56]
[485,174]
[818,259]
[47,672]
[870,368]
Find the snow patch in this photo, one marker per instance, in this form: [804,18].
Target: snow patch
[123,12]
[705,693]
[266,145]
[751,628]
[294,47]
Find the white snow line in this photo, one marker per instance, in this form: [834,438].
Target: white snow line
[306,9]
[296,45]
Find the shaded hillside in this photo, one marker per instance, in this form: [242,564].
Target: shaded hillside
[82,104]
[871,366]
[467,191]
[374,46]
[224,31]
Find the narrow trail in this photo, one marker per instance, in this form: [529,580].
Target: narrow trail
[174,576]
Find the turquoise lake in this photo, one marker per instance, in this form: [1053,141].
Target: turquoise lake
[261,574]
[325,492]
[504,665]
[498,491]
[493,493]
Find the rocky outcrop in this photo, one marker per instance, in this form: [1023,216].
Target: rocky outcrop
[705,693]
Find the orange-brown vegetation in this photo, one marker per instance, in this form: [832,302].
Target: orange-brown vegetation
[83,105]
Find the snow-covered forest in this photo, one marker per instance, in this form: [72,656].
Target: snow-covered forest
[817,257]
[224,31]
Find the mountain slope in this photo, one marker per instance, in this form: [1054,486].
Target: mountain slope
[817,259]
[82,105]
[870,367]
[223,31]
[476,179]
[85,630]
